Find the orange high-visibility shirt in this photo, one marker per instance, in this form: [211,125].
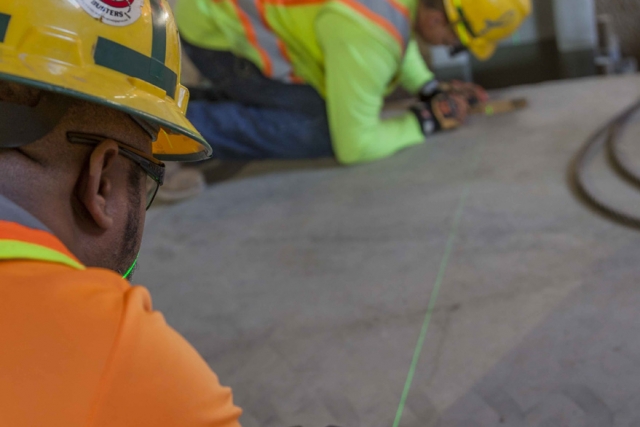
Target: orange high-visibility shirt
[80,347]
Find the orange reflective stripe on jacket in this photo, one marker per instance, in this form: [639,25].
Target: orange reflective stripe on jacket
[389,15]
[21,242]
[259,33]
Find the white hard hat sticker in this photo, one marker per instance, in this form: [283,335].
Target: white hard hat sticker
[113,12]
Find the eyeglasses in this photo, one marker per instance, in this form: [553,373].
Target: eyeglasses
[153,167]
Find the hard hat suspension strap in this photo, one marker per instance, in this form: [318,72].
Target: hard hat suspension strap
[21,125]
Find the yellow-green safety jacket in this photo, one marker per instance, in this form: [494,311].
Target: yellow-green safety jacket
[353,52]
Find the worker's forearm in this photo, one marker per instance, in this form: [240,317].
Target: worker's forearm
[358,69]
[414,73]
[358,145]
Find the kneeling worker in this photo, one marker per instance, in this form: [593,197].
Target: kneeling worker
[89,106]
[307,78]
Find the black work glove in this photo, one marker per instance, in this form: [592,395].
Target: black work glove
[441,112]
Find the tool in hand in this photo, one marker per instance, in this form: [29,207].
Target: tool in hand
[499,106]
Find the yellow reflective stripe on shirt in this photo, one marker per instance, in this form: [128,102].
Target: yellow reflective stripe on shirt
[15,249]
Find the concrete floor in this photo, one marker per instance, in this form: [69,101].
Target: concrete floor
[306,289]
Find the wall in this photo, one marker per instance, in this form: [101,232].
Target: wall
[575,23]
[540,26]
[626,16]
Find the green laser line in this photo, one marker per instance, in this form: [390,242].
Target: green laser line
[432,302]
[126,275]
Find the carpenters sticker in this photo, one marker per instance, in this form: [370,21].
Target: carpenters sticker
[113,12]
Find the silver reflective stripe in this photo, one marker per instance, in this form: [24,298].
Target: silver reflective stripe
[280,67]
[397,19]
[11,212]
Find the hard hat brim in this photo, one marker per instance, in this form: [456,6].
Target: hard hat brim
[178,139]
[482,50]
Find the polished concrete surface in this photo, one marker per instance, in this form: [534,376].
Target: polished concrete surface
[305,285]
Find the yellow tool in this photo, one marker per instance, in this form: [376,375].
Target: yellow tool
[499,106]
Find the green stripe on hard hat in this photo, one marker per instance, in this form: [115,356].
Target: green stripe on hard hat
[4,24]
[159,36]
[463,18]
[127,61]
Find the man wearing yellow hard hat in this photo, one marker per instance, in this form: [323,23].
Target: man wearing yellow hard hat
[90,106]
[307,78]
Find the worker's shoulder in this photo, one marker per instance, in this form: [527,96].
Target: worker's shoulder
[105,348]
[90,311]
[57,288]
[341,23]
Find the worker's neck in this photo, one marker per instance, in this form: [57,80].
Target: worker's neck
[42,200]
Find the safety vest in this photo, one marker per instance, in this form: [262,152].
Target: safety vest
[278,35]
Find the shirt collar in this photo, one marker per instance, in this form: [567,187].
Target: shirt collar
[11,212]
[22,236]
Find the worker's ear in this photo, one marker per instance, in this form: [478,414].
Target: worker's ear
[97,189]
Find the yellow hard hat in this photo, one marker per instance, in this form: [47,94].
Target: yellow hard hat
[124,54]
[481,24]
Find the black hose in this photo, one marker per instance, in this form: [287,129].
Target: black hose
[609,135]
[619,164]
